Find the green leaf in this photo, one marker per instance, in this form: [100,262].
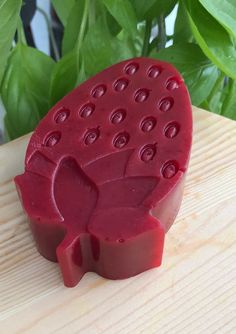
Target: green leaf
[153,8]
[215,105]
[65,77]
[142,7]
[224,12]
[112,24]
[9,13]
[160,7]
[222,99]
[214,100]
[73,26]
[182,30]
[212,38]
[63,8]
[198,72]
[25,89]
[138,40]
[124,14]
[100,49]
[229,101]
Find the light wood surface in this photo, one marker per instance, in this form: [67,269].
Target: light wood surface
[193,292]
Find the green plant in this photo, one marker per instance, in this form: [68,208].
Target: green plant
[98,33]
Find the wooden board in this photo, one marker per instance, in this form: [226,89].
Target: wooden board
[193,292]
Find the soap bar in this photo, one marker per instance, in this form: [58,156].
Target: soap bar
[105,169]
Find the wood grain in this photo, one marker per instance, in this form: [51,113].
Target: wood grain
[193,292]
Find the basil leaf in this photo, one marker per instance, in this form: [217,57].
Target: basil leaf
[222,99]
[138,40]
[212,38]
[9,13]
[142,7]
[73,26]
[65,77]
[216,102]
[124,14]
[198,72]
[182,30]
[161,7]
[215,105]
[25,89]
[63,8]
[224,12]
[112,24]
[229,101]
[100,49]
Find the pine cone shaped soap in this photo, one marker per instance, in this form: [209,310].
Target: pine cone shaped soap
[105,169]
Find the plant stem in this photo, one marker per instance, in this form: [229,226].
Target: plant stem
[147,35]
[216,87]
[51,34]
[161,32]
[82,30]
[20,33]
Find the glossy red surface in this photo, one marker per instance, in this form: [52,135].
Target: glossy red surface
[104,170]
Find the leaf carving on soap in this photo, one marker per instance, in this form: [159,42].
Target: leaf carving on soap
[75,194]
[109,167]
[116,190]
[126,192]
[40,164]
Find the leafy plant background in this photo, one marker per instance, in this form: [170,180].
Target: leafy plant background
[86,36]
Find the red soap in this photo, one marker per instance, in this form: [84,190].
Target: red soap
[105,169]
